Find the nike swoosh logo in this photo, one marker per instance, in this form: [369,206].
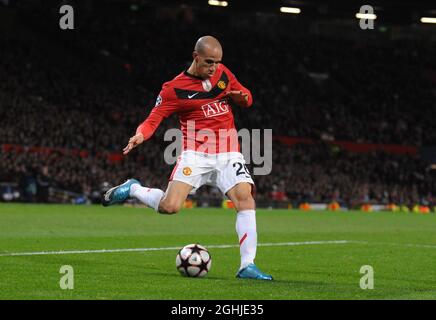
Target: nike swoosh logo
[192,95]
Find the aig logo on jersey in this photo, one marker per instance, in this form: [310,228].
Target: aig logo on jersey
[215,108]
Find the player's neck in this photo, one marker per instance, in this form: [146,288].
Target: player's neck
[193,72]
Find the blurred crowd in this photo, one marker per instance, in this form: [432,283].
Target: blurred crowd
[324,173]
[88,90]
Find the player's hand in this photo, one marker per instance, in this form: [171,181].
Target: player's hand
[134,141]
[238,97]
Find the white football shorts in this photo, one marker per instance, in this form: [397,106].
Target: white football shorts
[221,170]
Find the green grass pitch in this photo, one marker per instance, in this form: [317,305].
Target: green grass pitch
[400,247]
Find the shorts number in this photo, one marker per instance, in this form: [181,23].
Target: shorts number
[242,169]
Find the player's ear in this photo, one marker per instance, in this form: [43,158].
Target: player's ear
[195,56]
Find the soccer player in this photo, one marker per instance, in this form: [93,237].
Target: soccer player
[200,97]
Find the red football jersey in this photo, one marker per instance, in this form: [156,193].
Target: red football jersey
[205,116]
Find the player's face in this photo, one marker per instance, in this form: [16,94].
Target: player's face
[208,63]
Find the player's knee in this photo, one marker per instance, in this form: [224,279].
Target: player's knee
[244,201]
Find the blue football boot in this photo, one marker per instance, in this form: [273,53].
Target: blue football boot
[252,272]
[118,194]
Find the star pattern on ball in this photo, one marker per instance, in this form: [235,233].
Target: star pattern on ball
[184,264]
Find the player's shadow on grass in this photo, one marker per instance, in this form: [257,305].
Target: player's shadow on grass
[177,275]
[291,283]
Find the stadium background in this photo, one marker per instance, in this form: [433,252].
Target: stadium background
[352,110]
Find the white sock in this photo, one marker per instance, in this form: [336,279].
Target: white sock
[247,234]
[148,196]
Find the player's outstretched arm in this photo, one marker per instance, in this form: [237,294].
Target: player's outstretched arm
[164,107]
[134,141]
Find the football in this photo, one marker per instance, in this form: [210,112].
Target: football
[193,260]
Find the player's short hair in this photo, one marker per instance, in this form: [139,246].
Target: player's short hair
[206,41]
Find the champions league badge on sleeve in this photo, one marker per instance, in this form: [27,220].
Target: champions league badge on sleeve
[158,101]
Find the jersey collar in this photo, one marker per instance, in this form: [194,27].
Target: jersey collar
[186,73]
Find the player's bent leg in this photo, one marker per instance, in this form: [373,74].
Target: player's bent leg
[244,202]
[168,202]
[175,195]
[132,188]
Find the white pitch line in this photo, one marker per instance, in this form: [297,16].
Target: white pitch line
[41,253]
[410,245]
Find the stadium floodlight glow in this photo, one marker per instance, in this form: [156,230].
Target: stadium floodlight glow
[218,3]
[428,20]
[369,16]
[290,10]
